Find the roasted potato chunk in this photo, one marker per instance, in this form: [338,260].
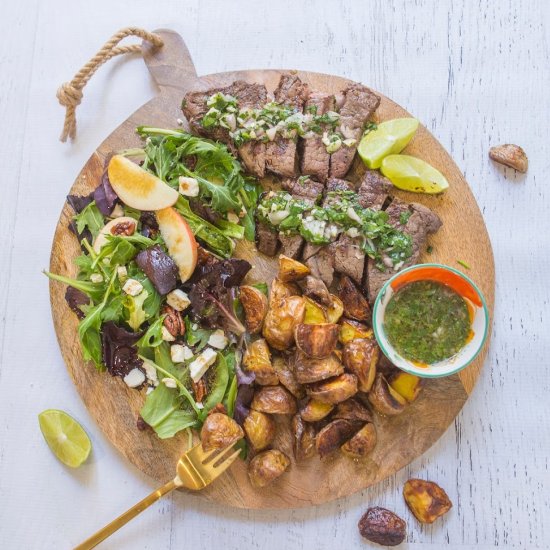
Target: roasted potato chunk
[382,526]
[426,500]
[407,385]
[267,467]
[333,435]
[350,330]
[309,370]
[355,304]
[335,309]
[257,359]
[274,400]
[360,357]
[260,429]
[287,377]
[254,303]
[335,390]
[316,341]
[384,398]
[314,410]
[315,314]
[219,431]
[304,438]
[281,320]
[291,270]
[280,291]
[352,409]
[362,443]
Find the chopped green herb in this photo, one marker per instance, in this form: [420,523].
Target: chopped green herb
[463,264]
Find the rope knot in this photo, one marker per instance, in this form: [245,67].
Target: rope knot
[69,95]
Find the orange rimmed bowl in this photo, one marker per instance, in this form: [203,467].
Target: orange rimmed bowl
[461,284]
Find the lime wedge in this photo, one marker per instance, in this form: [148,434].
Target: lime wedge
[65,437]
[413,174]
[389,138]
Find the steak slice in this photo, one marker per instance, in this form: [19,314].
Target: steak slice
[315,159]
[291,245]
[194,108]
[334,185]
[359,105]
[266,239]
[303,188]
[349,259]
[321,264]
[280,154]
[421,223]
[317,290]
[374,190]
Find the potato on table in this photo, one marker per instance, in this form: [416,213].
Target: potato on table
[316,341]
[384,398]
[335,390]
[280,290]
[333,435]
[360,357]
[309,370]
[314,410]
[219,431]
[355,304]
[304,438]
[352,409]
[407,385]
[274,400]
[287,377]
[266,467]
[260,429]
[362,443]
[257,359]
[280,321]
[426,500]
[315,313]
[254,304]
[382,526]
[291,270]
[350,330]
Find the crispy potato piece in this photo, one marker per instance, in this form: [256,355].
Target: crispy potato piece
[291,270]
[219,431]
[260,429]
[287,377]
[382,526]
[407,385]
[254,303]
[384,398]
[333,435]
[281,320]
[360,357]
[350,330]
[280,291]
[362,443]
[315,313]
[308,370]
[257,359]
[335,390]
[314,410]
[304,438]
[356,305]
[266,467]
[335,309]
[316,341]
[426,500]
[274,400]
[352,409]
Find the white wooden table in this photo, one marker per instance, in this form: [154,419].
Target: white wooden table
[476,73]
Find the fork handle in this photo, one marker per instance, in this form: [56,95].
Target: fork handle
[123,519]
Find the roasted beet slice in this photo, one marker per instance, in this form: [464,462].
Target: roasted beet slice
[105,196]
[119,351]
[76,298]
[159,268]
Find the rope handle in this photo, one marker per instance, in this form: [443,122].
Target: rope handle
[69,94]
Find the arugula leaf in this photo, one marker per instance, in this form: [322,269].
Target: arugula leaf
[231,229]
[152,337]
[197,338]
[262,287]
[91,218]
[162,411]
[94,290]
[218,387]
[231,396]
[134,306]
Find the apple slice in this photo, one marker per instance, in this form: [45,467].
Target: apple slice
[180,241]
[123,227]
[138,188]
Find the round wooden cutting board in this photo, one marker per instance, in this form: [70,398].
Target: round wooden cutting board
[400,439]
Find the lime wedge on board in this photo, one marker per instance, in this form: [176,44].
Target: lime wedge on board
[413,174]
[389,138]
[65,437]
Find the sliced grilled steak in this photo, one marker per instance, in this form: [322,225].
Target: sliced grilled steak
[280,154]
[315,159]
[359,105]
[303,189]
[421,223]
[322,264]
[310,250]
[266,239]
[374,190]
[349,259]
[291,245]
[316,289]
[335,184]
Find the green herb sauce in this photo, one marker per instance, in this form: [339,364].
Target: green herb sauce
[427,322]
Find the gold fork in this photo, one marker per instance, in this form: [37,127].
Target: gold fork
[195,470]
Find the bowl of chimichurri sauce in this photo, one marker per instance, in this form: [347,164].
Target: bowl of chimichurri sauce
[430,320]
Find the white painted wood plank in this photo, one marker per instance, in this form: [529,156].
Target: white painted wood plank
[476,74]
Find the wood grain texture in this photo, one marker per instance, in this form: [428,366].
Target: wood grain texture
[471,71]
[401,439]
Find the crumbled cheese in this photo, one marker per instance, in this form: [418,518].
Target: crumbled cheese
[199,405]
[178,300]
[169,382]
[180,353]
[134,378]
[179,121]
[132,287]
[117,212]
[151,373]
[194,326]
[96,278]
[166,335]
[150,389]
[200,365]
[122,273]
[353,215]
[188,186]
[232,217]
[218,339]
